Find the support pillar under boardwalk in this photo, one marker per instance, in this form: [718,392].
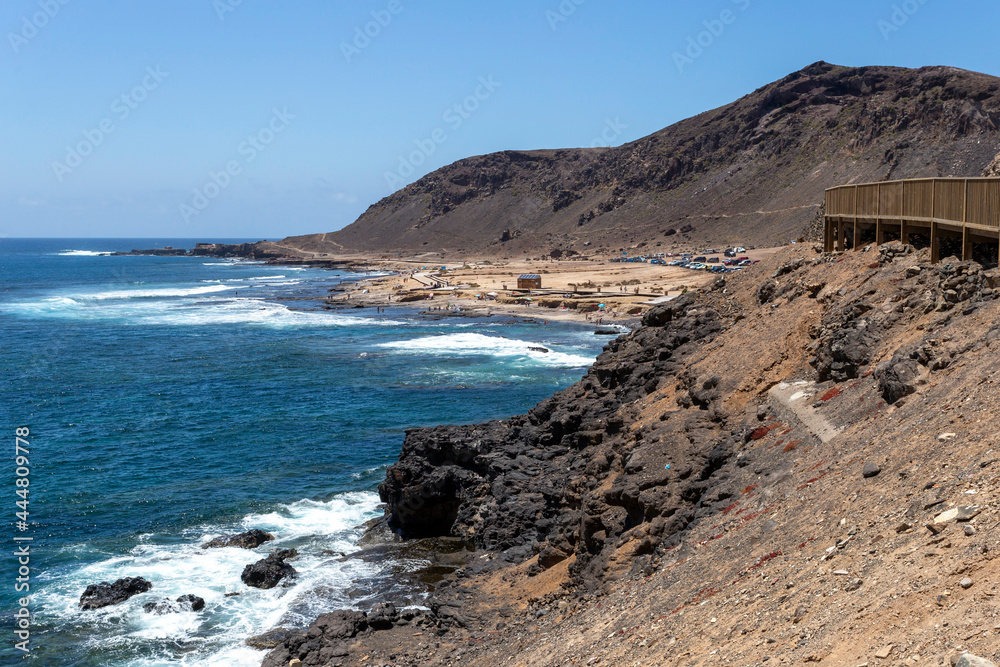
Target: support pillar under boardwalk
[935,244]
[966,244]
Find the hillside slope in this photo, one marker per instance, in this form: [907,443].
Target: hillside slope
[750,172]
[800,465]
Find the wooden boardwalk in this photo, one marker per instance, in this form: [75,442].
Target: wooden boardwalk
[967,209]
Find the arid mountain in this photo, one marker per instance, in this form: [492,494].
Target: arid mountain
[752,172]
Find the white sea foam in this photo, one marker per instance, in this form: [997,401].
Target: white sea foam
[183,312]
[471,344]
[84,253]
[153,293]
[315,528]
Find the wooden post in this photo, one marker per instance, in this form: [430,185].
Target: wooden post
[879,234]
[935,243]
[966,237]
[840,235]
[856,240]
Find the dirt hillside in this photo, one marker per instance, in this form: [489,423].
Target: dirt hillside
[752,172]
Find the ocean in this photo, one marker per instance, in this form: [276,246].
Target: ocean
[171,400]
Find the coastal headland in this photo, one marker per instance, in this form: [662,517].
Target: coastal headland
[795,463]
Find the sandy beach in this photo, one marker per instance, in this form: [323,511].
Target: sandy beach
[582,289]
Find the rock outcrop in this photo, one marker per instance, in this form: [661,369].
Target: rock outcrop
[269,572]
[105,594]
[570,478]
[250,539]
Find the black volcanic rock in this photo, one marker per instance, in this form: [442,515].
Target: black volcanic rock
[183,603]
[250,539]
[269,572]
[537,483]
[105,594]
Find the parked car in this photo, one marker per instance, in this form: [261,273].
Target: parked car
[700,259]
[729,252]
[740,249]
[745,262]
[713,260]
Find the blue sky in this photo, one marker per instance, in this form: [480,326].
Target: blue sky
[262,119]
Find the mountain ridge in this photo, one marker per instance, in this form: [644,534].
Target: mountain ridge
[750,172]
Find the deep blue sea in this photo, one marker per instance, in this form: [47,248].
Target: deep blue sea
[172,399]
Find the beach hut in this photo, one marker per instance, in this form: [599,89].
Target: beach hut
[529,281]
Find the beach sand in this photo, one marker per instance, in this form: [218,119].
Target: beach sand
[572,290]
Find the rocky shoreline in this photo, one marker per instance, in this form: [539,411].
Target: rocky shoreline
[729,479]
[670,445]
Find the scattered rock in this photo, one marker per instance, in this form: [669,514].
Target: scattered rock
[945,437]
[966,513]
[969,531]
[871,469]
[854,585]
[884,652]
[966,583]
[268,572]
[969,660]
[105,594]
[251,539]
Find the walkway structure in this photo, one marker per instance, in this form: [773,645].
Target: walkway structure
[959,208]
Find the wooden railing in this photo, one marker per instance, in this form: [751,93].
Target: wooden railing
[940,207]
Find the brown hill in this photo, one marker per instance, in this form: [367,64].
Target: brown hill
[752,172]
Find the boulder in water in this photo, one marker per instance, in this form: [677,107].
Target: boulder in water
[268,572]
[105,594]
[251,539]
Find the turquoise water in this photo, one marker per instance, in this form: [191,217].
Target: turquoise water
[171,400]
